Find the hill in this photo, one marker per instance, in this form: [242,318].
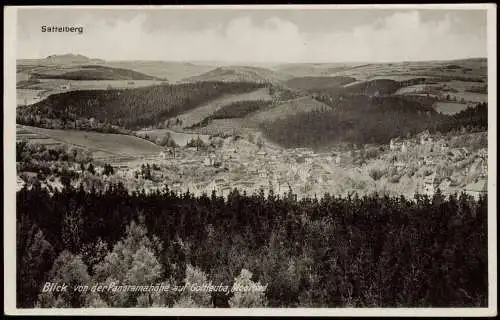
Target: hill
[465,70]
[312,69]
[318,83]
[360,119]
[129,108]
[172,71]
[214,107]
[240,74]
[60,59]
[372,87]
[287,108]
[89,72]
[353,119]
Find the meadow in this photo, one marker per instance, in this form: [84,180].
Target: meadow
[105,144]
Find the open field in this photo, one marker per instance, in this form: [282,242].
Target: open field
[456,90]
[47,84]
[179,137]
[224,127]
[38,91]
[449,107]
[197,115]
[302,104]
[108,145]
[28,96]
[447,70]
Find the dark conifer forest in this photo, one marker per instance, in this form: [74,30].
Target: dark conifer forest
[371,251]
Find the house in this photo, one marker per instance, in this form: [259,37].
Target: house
[425,138]
[484,168]
[458,153]
[483,153]
[395,144]
[208,161]
[431,184]
[445,184]
[303,151]
[163,155]
[428,160]
[404,146]
[66,86]
[261,153]
[99,170]
[399,164]
[477,188]
[445,147]
[338,159]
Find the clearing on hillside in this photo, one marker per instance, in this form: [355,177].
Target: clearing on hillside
[287,108]
[103,144]
[198,114]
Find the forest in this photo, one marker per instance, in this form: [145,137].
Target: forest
[370,251]
[128,108]
[366,120]
[96,72]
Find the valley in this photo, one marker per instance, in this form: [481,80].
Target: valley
[307,129]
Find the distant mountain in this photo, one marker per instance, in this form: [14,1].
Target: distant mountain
[171,70]
[312,69]
[71,58]
[318,83]
[240,74]
[90,72]
[62,59]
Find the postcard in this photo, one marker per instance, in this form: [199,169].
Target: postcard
[331,160]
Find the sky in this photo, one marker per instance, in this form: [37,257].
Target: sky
[263,36]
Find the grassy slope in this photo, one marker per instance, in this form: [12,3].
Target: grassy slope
[287,108]
[251,122]
[196,115]
[102,143]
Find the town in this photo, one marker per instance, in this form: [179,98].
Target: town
[422,164]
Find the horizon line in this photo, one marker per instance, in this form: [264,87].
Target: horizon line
[257,62]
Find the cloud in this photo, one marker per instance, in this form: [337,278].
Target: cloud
[401,36]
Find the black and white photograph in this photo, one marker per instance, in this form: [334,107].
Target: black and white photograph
[219,160]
